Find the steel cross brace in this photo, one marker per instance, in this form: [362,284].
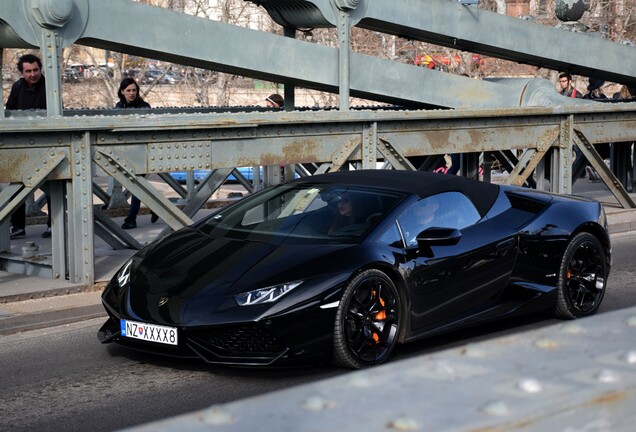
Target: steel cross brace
[15,194]
[111,233]
[603,170]
[342,154]
[208,186]
[529,160]
[394,157]
[116,166]
[371,145]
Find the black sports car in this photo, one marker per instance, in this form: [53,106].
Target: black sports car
[349,264]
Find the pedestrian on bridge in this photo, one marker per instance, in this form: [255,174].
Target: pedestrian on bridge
[567,88]
[595,90]
[129,97]
[275,101]
[29,92]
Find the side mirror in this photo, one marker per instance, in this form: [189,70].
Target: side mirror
[439,236]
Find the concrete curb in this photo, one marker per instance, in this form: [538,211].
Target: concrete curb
[52,292]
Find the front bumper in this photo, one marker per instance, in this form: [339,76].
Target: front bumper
[289,338]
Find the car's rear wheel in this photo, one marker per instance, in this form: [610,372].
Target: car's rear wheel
[582,277]
[367,321]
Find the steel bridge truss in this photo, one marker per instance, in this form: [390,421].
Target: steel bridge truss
[70,157]
[517,122]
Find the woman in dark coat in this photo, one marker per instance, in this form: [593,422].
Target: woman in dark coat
[128,94]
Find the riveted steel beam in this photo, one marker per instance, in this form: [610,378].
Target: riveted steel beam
[603,170]
[111,233]
[531,157]
[393,156]
[32,178]
[139,145]
[342,155]
[116,165]
[79,208]
[562,158]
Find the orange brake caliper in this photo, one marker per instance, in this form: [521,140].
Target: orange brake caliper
[379,316]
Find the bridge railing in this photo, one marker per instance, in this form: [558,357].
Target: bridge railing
[69,151]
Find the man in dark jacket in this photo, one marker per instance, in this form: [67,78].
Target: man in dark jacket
[567,89]
[29,92]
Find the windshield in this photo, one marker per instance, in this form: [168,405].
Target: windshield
[324,213]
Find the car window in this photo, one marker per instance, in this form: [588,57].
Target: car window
[391,236]
[287,213]
[448,209]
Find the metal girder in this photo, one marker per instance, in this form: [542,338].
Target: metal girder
[342,155]
[451,24]
[116,166]
[603,170]
[79,207]
[143,144]
[393,156]
[206,188]
[369,147]
[245,182]
[32,178]
[168,36]
[529,160]
[561,170]
[196,141]
[111,233]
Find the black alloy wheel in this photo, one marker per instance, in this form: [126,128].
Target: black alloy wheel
[582,277]
[367,321]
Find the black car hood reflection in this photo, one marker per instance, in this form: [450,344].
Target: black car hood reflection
[190,276]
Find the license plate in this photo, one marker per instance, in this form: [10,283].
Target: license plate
[149,332]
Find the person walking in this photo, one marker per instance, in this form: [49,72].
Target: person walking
[28,92]
[129,97]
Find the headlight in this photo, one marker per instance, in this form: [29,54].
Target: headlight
[123,277]
[265,295]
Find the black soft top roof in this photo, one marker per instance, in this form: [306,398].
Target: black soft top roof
[422,183]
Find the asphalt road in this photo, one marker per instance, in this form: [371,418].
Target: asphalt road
[62,379]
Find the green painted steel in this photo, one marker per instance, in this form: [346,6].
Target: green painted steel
[69,148]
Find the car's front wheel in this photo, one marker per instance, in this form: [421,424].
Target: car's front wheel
[367,321]
[582,277]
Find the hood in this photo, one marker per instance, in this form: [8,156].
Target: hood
[200,274]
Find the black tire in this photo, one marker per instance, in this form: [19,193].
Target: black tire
[582,277]
[367,324]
